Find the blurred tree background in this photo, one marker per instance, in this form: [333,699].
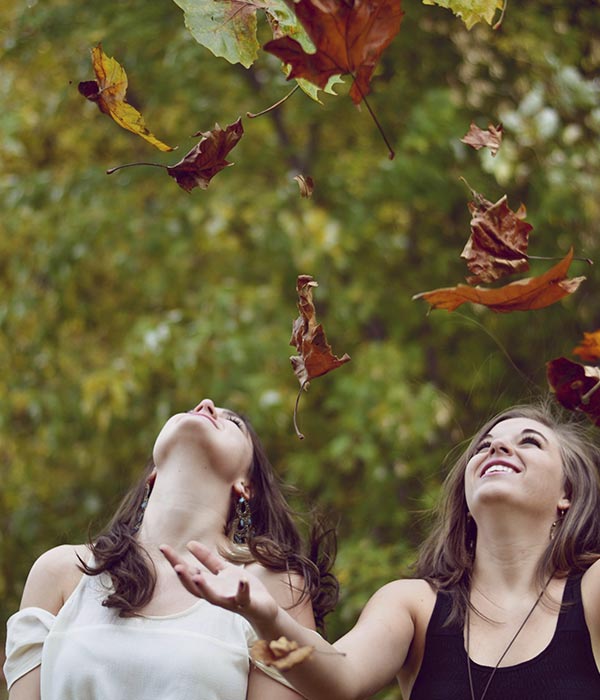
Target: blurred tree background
[123,299]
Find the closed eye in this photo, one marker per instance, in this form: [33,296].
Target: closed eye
[236,419]
[531,440]
[483,446]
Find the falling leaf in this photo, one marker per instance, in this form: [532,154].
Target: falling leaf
[108,92]
[280,653]
[207,157]
[306,185]
[589,348]
[315,357]
[523,295]
[575,386]
[484,138]
[349,37]
[498,243]
[471,11]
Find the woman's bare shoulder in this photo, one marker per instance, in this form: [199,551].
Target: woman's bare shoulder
[53,577]
[415,596]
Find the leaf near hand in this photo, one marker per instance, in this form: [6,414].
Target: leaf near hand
[484,138]
[349,37]
[108,92]
[315,356]
[280,653]
[471,11]
[498,243]
[207,157]
[575,386]
[589,348]
[523,295]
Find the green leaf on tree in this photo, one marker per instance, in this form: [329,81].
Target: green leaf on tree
[471,11]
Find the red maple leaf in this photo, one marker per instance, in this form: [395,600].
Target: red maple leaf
[349,35]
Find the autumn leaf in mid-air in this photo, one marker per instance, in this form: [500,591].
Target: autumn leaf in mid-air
[204,161]
[349,37]
[315,357]
[471,11]
[523,295]
[498,243]
[281,653]
[108,92]
[484,138]
[575,386]
[207,158]
[589,348]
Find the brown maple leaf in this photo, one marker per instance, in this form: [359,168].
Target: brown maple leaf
[575,386]
[108,92]
[349,36]
[498,242]
[589,348]
[523,295]
[315,357]
[306,185]
[281,653]
[207,157]
[482,138]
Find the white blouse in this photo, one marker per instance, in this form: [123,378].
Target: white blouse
[88,652]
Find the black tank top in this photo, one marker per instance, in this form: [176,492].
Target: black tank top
[564,670]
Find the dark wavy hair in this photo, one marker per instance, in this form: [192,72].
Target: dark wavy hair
[275,542]
[446,557]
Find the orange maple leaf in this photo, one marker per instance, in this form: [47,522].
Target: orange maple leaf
[589,348]
[349,36]
[108,92]
[575,386]
[523,295]
[482,138]
[281,653]
[497,246]
[207,157]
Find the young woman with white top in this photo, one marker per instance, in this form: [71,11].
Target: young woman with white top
[110,619]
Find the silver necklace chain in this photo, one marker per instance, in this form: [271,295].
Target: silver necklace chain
[505,652]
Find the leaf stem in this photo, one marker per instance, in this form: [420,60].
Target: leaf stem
[110,171]
[251,115]
[298,433]
[589,261]
[501,18]
[391,153]
[585,399]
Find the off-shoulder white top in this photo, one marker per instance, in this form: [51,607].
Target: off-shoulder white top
[88,652]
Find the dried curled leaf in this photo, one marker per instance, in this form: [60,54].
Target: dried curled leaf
[280,653]
[108,92]
[498,243]
[314,352]
[306,185]
[589,348]
[523,295]
[207,157]
[349,38]
[575,386]
[484,138]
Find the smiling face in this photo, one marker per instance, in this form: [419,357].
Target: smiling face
[518,461]
[211,436]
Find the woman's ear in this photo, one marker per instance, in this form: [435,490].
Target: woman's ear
[564,504]
[242,488]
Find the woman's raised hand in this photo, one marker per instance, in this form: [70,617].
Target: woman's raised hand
[222,583]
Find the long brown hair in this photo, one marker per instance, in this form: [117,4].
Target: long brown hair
[275,542]
[446,557]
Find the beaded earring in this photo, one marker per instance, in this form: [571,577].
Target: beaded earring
[142,508]
[242,523]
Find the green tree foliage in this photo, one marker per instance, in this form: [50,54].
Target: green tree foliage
[124,299]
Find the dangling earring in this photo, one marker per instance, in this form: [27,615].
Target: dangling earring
[242,523]
[556,523]
[470,534]
[142,508]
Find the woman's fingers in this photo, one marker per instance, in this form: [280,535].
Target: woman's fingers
[203,554]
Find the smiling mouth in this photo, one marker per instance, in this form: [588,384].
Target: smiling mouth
[498,469]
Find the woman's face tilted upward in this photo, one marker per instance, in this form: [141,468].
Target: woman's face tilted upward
[213,435]
[518,462]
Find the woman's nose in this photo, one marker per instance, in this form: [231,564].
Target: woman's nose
[207,406]
[498,445]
